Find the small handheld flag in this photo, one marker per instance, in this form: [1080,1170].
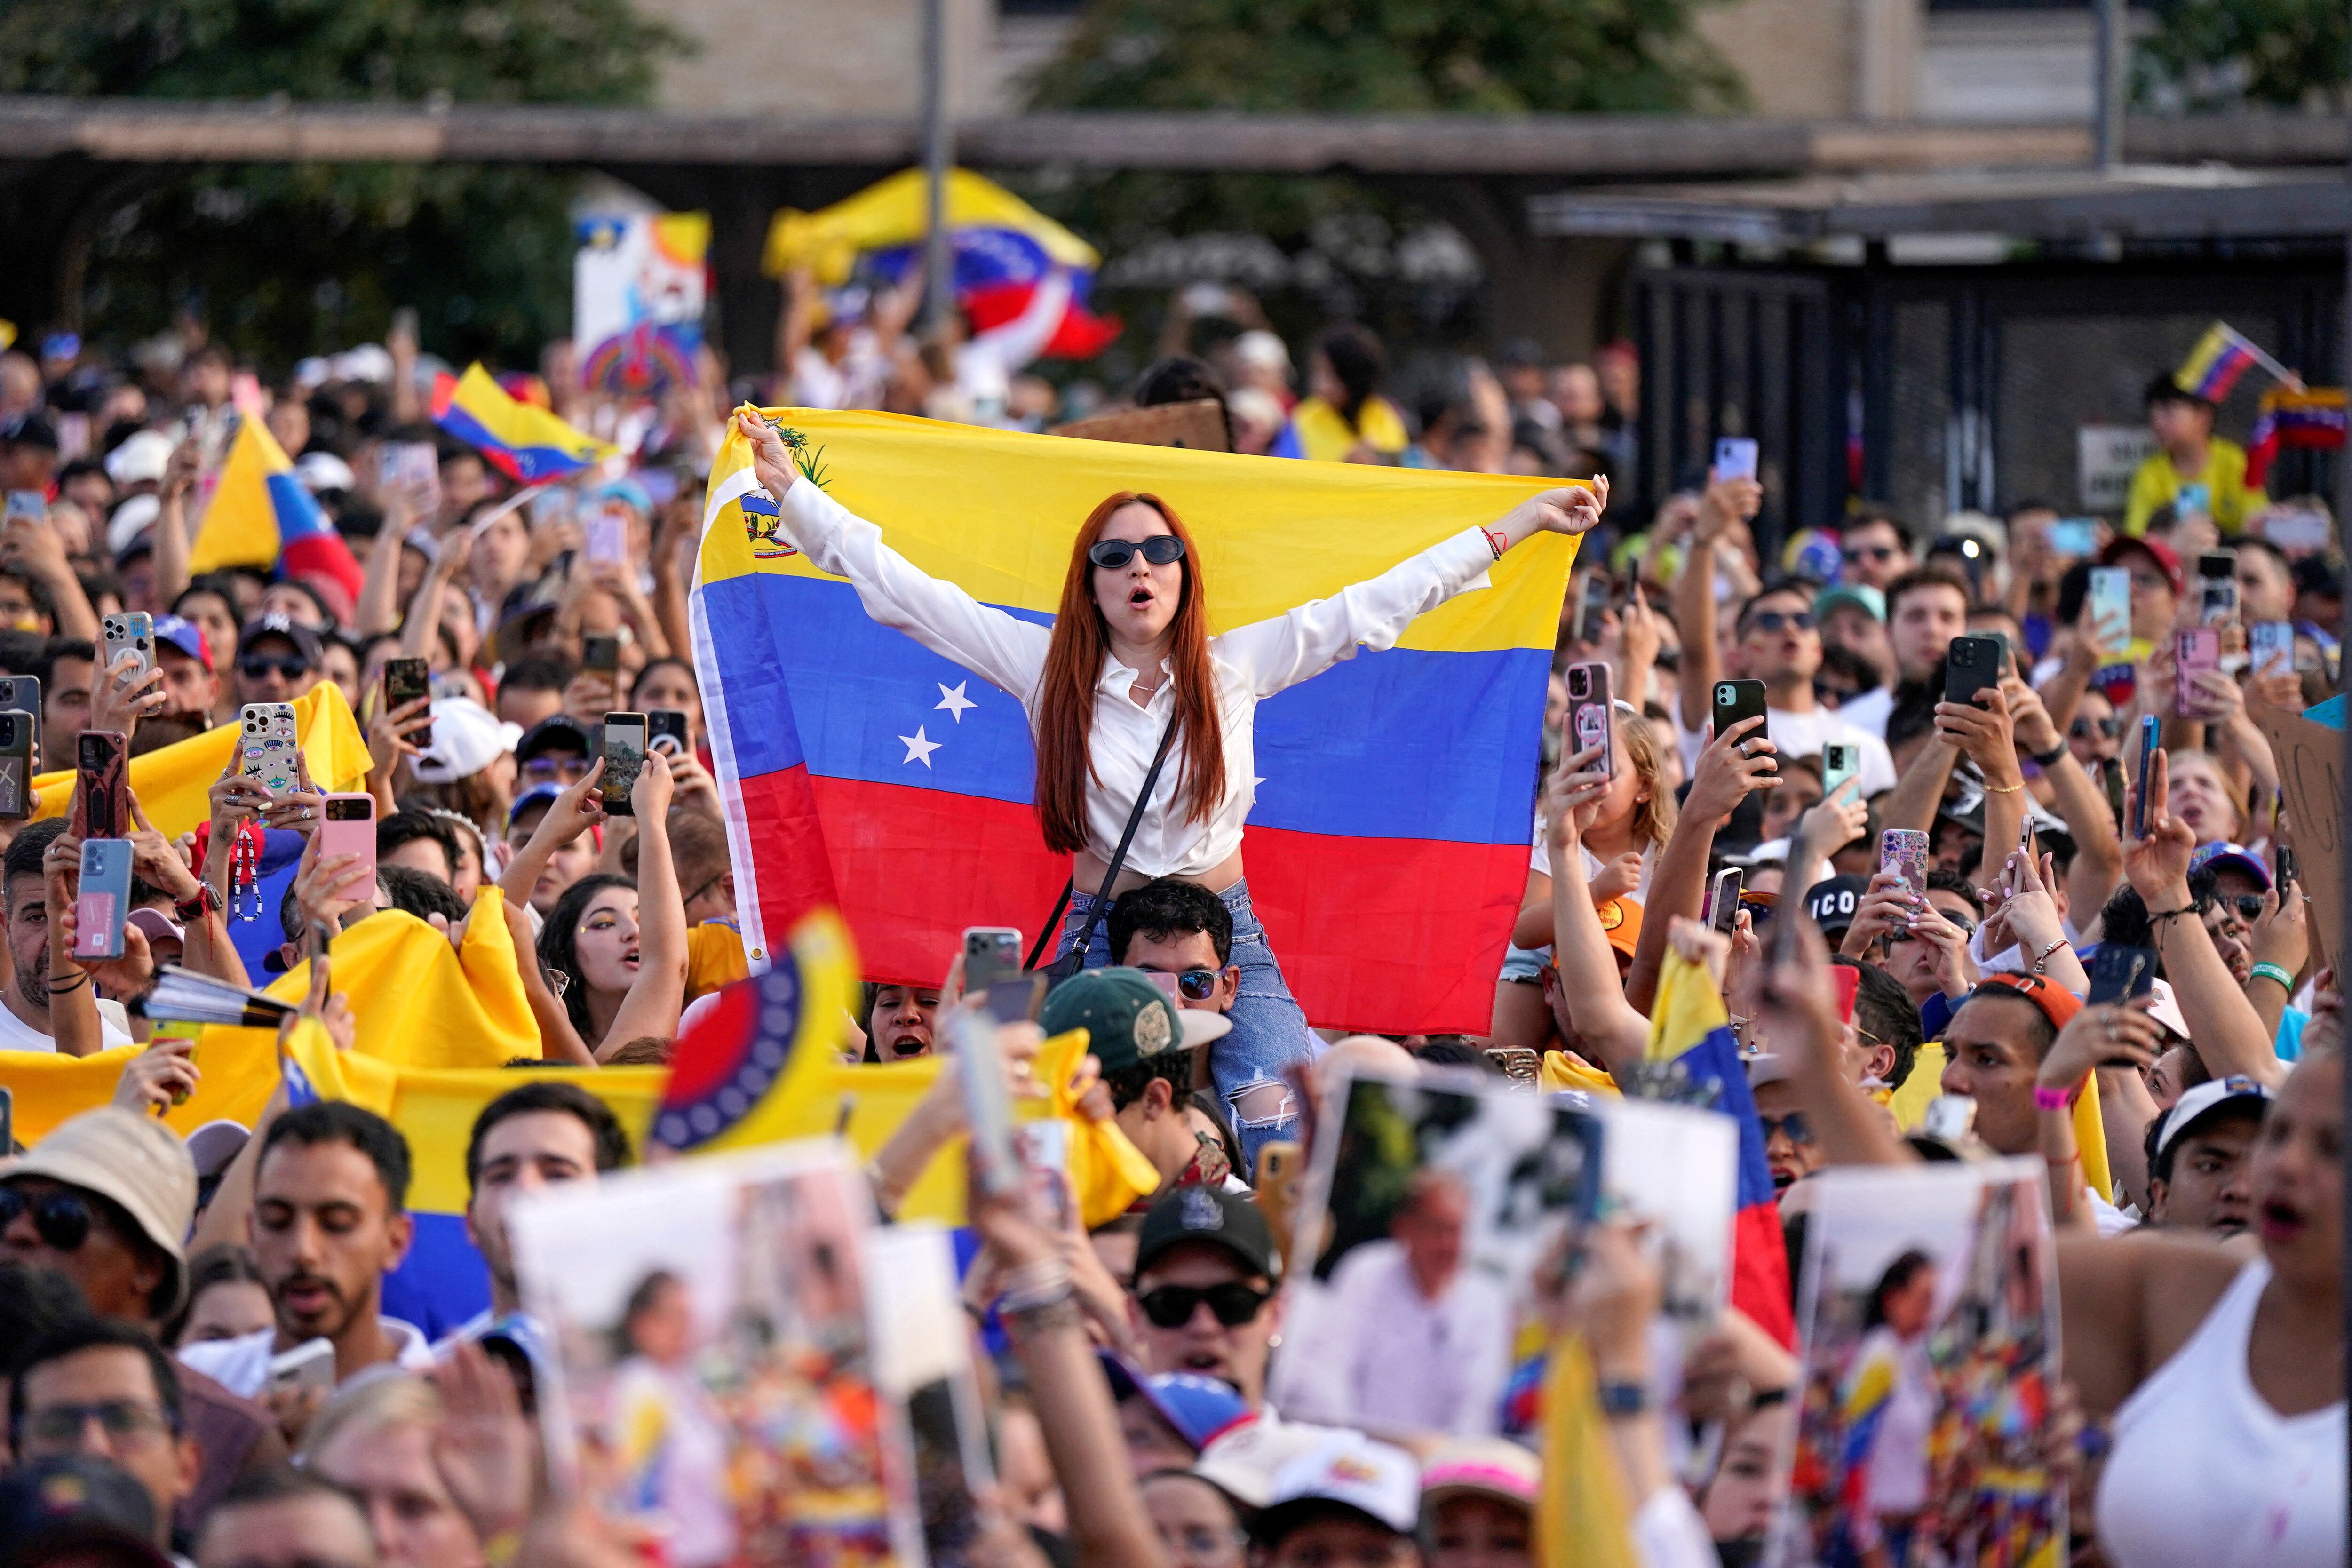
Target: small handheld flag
[2220,358]
[526,443]
[2290,421]
[261,516]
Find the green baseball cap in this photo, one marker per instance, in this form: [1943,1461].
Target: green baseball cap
[1128,1019]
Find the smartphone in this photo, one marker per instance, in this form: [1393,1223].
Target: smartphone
[2216,600]
[1736,700]
[2270,642]
[2193,500]
[1280,1168]
[8,1121]
[1950,1118]
[991,953]
[2195,652]
[22,694]
[104,902]
[348,827]
[665,731]
[405,680]
[267,745]
[2119,972]
[988,1110]
[553,506]
[310,1364]
[1841,762]
[2147,739]
[131,631]
[624,755]
[1723,899]
[606,534]
[1045,1150]
[600,653]
[2112,775]
[30,505]
[1972,664]
[414,466]
[105,791]
[16,764]
[1904,851]
[2110,602]
[1735,458]
[1588,715]
[1591,602]
[2281,866]
[2075,537]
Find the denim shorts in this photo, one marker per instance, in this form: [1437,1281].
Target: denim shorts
[1269,1029]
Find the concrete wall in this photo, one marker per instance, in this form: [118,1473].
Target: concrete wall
[831,59]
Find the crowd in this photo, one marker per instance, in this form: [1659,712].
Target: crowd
[193,1335]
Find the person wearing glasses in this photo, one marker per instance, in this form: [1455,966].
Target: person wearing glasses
[1874,550]
[277,659]
[1202,1297]
[99,1389]
[1127,661]
[104,1200]
[1789,1149]
[1170,926]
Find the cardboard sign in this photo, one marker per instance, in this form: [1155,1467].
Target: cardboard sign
[2106,457]
[1198,424]
[2311,790]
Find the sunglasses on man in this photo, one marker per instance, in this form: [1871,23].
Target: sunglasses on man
[1855,555]
[2247,907]
[259,666]
[1794,1126]
[2083,729]
[1195,985]
[62,1219]
[1172,1306]
[1781,620]
[1160,549]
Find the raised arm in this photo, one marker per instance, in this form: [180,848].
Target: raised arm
[1288,649]
[1726,502]
[658,995]
[1006,652]
[1581,951]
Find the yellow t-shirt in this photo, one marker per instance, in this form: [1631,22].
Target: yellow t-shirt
[714,957]
[2157,483]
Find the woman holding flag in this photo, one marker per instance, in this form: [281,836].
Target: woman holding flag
[1128,674]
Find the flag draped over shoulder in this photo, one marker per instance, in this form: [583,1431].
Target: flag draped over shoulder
[174,782]
[260,515]
[1689,1025]
[442,1281]
[1387,848]
[1003,247]
[527,443]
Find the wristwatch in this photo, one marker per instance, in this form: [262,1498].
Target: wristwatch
[206,902]
[1620,1400]
[2050,758]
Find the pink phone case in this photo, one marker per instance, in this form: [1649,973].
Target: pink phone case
[2194,652]
[349,836]
[1904,851]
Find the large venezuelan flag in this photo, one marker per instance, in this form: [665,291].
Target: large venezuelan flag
[1388,847]
[1689,1025]
[261,516]
[1002,246]
[527,444]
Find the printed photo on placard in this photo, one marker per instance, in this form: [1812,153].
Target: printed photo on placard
[1930,1354]
[1429,1208]
[923,1366]
[1674,1168]
[714,1358]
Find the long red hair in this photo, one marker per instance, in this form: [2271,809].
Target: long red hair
[1066,695]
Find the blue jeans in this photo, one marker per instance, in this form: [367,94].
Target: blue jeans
[1269,1030]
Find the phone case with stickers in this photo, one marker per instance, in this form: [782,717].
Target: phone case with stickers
[266,746]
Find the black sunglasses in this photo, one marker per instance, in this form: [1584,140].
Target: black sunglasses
[1869,552]
[2249,906]
[1196,985]
[1793,1124]
[1160,549]
[259,664]
[63,1219]
[2084,729]
[1172,1306]
[1777,620]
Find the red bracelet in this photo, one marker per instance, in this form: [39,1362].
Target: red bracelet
[1495,541]
[2051,1099]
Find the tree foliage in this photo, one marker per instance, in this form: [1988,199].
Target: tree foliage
[2225,54]
[282,260]
[1388,57]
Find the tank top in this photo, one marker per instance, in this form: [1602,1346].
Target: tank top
[2205,1474]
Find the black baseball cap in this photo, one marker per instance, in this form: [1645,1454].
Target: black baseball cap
[556,732]
[28,429]
[276,624]
[1187,1216]
[74,1504]
[1833,901]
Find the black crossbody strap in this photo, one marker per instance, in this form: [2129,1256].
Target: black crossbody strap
[1117,858]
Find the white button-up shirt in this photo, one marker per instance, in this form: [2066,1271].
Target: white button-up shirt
[1249,663]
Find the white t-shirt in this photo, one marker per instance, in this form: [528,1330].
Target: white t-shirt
[1804,735]
[113,1025]
[1870,712]
[241,1365]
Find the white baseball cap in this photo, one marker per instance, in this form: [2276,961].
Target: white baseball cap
[2192,1106]
[1378,1481]
[1243,1459]
[141,459]
[2165,1008]
[466,738]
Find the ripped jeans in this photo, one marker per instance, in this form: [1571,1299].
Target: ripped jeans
[1269,1030]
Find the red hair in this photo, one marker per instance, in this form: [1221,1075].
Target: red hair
[1073,659]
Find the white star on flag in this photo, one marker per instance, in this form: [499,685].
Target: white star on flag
[953,700]
[920,748]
